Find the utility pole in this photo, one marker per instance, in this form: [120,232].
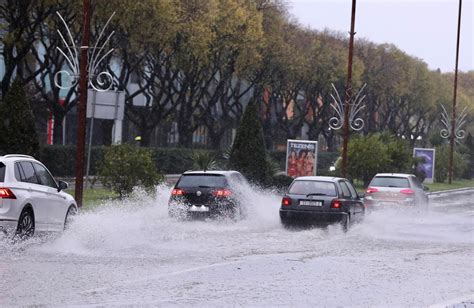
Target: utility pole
[348,95]
[453,118]
[82,104]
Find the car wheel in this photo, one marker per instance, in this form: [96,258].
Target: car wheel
[71,212]
[26,224]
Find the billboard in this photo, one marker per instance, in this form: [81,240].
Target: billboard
[428,165]
[301,158]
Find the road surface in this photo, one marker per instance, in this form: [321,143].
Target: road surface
[131,253]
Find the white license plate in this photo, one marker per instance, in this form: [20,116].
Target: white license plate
[199,208]
[311,203]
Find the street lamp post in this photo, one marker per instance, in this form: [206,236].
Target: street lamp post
[453,118]
[82,105]
[84,70]
[348,97]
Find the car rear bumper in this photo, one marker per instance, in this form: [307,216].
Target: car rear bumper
[200,210]
[380,204]
[310,216]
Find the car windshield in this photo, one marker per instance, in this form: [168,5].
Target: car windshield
[390,181]
[2,172]
[313,187]
[207,180]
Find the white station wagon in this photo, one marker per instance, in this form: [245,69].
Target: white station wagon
[30,198]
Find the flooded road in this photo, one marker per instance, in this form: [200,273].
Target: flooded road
[130,253]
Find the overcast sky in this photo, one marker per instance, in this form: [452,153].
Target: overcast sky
[422,28]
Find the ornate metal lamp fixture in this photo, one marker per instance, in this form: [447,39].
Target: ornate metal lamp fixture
[83,73]
[99,80]
[355,122]
[446,120]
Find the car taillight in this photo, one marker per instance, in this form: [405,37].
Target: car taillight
[371,190]
[336,204]
[221,193]
[285,201]
[6,193]
[407,191]
[177,192]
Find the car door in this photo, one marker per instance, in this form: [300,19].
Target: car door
[357,204]
[347,197]
[56,202]
[37,195]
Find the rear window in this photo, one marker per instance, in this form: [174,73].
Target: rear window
[2,172]
[196,180]
[313,187]
[390,181]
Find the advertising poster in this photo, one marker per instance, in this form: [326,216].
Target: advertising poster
[428,166]
[301,158]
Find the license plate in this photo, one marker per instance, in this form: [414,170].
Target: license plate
[199,208]
[311,203]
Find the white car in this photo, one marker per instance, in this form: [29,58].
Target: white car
[395,189]
[30,198]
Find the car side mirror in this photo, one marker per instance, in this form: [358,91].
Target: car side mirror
[426,188]
[62,185]
[360,195]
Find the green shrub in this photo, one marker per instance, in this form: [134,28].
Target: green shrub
[401,157]
[366,157]
[204,160]
[248,154]
[17,123]
[460,164]
[376,153]
[125,167]
[61,159]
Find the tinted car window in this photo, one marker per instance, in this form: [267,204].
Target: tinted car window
[29,171]
[390,181]
[313,187]
[195,180]
[2,172]
[352,189]
[19,175]
[345,190]
[44,177]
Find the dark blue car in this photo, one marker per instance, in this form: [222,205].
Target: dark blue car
[322,200]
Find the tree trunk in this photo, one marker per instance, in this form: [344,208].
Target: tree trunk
[145,134]
[58,129]
[185,132]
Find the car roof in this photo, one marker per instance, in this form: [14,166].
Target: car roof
[14,157]
[220,172]
[400,175]
[319,178]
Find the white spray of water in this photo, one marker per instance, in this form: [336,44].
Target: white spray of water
[139,226]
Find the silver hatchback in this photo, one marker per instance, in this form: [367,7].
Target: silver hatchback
[395,189]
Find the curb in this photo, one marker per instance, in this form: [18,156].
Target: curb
[451,191]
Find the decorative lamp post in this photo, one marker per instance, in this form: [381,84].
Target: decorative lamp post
[346,113]
[455,132]
[83,73]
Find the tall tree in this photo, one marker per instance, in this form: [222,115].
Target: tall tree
[17,125]
[20,23]
[248,153]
